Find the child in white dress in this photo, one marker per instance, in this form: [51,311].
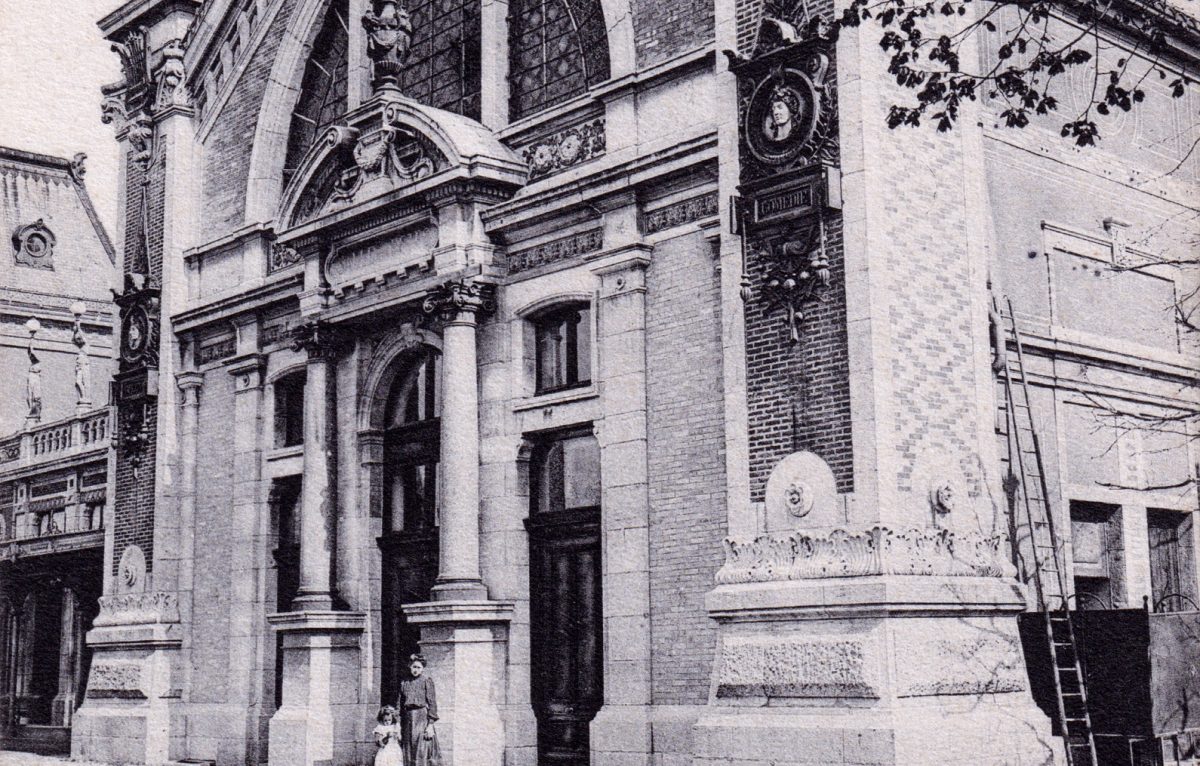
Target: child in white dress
[387,738]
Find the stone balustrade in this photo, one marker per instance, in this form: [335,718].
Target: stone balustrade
[53,441]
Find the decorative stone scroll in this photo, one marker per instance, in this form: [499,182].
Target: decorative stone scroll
[878,551]
[570,146]
[797,668]
[137,609]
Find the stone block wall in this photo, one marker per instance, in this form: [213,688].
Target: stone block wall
[686,460]
[212,588]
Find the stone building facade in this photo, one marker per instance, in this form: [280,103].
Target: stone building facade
[482,329]
[56,350]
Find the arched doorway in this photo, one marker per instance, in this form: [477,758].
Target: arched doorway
[411,497]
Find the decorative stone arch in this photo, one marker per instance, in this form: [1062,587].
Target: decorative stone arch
[388,363]
[280,374]
[264,185]
[541,304]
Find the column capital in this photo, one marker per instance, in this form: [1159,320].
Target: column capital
[190,382]
[247,371]
[460,300]
[317,338]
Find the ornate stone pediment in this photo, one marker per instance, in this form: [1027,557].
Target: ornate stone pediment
[393,148]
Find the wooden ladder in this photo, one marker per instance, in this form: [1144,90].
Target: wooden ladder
[1027,468]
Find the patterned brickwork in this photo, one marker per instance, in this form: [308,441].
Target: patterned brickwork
[686,463]
[798,394]
[930,309]
[666,28]
[227,148]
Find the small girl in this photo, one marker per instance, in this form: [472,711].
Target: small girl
[387,738]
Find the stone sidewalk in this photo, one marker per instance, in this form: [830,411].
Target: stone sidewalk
[30,759]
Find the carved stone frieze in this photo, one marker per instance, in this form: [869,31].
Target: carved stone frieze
[565,148]
[877,551]
[281,257]
[793,667]
[680,213]
[556,250]
[962,658]
[137,609]
[115,680]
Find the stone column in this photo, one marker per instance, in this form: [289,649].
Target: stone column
[464,636]
[458,529]
[190,384]
[68,658]
[320,718]
[317,506]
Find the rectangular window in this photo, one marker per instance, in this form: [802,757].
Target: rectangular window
[289,410]
[1172,564]
[1097,552]
[563,340]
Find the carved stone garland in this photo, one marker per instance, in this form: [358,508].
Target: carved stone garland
[878,551]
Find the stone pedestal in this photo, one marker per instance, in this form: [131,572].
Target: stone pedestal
[909,657]
[133,683]
[466,646]
[317,723]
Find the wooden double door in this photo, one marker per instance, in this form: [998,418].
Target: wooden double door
[566,631]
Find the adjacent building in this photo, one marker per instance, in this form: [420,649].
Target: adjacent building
[56,351]
[616,356]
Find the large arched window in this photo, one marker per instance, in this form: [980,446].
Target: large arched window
[443,68]
[412,448]
[557,49]
[322,96]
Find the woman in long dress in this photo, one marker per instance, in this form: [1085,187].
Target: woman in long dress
[418,711]
[387,738]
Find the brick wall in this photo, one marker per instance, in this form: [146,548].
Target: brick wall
[133,511]
[798,394]
[686,463]
[227,148]
[214,507]
[666,28]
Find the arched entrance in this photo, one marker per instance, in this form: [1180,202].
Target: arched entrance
[411,493]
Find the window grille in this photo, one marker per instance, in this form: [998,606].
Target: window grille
[443,68]
[557,50]
[322,98]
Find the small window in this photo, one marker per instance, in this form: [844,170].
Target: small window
[563,341]
[565,474]
[1172,563]
[289,410]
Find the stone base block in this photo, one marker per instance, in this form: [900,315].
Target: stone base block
[317,724]
[132,686]
[466,646]
[895,670]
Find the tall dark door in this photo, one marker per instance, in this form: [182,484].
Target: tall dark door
[409,544]
[567,637]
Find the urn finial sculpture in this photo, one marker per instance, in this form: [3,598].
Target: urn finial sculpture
[389,38]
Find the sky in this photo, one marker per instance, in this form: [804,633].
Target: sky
[52,64]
